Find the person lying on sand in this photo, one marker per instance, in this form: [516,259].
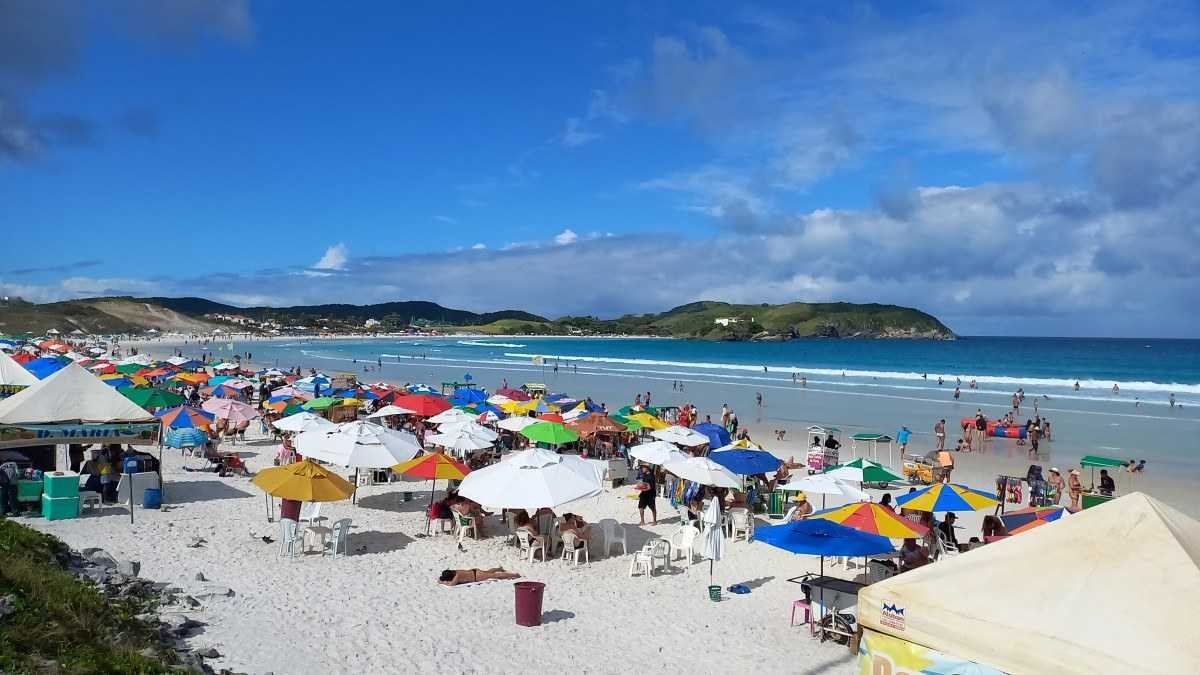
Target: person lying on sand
[456,577]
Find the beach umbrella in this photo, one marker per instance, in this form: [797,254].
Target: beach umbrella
[712,545]
[551,433]
[872,518]
[634,409]
[484,409]
[281,403]
[117,381]
[44,367]
[359,445]
[293,392]
[863,470]
[823,484]
[185,438]
[151,398]
[680,436]
[423,389]
[717,435]
[822,538]
[304,421]
[389,410]
[469,426]
[516,423]
[304,481]
[551,417]
[947,497]
[741,444]
[704,471]
[532,479]
[657,452]
[459,439]
[432,467]
[228,409]
[452,415]
[1016,522]
[130,368]
[191,378]
[185,417]
[513,394]
[221,391]
[629,423]
[322,403]
[746,462]
[219,379]
[649,421]
[467,396]
[423,405]
[596,424]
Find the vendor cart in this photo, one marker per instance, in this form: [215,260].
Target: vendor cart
[823,453]
[921,470]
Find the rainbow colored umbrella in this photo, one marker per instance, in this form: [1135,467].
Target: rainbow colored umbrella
[185,417]
[948,497]
[1016,522]
[874,519]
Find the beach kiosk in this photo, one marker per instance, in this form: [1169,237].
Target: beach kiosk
[870,443]
[823,454]
[1127,566]
[1093,462]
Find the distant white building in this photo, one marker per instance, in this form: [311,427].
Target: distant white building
[371,323]
[726,320]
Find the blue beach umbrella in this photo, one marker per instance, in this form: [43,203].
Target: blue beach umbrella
[118,382]
[822,537]
[467,396]
[948,497]
[718,437]
[422,389]
[44,367]
[185,438]
[746,462]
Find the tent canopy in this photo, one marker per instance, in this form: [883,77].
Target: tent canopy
[72,394]
[1126,574]
[12,372]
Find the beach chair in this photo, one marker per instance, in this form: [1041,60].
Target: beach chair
[683,541]
[642,563]
[878,571]
[287,539]
[529,544]
[740,521]
[612,532]
[340,539]
[574,547]
[510,519]
[87,498]
[465,524]
[787,517]
[658,550]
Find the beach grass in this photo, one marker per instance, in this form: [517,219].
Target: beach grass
[59,623]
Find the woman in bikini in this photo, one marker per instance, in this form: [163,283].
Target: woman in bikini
[458,577]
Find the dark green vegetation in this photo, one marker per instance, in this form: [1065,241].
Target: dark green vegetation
[59,623]
[697,320]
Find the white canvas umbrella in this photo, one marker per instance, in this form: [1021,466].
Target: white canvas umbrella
[470,428]
[359,445]
[704,471]
[304,421]
[713,537]
[681,436]
[824,484]
[459,440]
[516,422]
[657,452]
[389,410]
[532,479]
[452,415]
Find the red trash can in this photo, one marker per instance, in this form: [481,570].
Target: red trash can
[529,602]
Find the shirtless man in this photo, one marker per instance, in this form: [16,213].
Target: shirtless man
[939,432]
[457,577]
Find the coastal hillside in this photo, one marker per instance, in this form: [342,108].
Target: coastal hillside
[100,316]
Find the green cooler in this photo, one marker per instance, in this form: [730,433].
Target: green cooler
[60,508]
[61,484]
[29,490]
[775,504]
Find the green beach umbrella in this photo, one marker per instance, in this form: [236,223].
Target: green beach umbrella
[630,425]
[629,410]
[292,409]
[151,398]
[863,471]
[552,433]
[129,368]
[322,403]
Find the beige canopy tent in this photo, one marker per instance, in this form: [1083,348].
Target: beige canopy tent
[13,373]
[1111,589]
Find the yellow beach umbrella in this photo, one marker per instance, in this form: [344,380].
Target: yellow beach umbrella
[872,518]
[648,421]
[304,481]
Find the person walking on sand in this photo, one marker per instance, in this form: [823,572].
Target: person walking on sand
[939,432]
[902,438]
[758,398]
[648,491]
[1075,489]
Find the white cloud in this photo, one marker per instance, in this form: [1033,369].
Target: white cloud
[575,135]
[446,219]
[335,258]
[478,247]
[566,237]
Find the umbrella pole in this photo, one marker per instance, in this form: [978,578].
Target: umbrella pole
[354,496]
[428,520]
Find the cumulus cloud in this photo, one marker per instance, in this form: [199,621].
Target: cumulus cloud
[567,236]
[334,259]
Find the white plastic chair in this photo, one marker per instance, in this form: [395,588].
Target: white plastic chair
[877,571]
[612,532]
[683,541]
[510,519]
[288,540]
[658,550]
[465,524]
[340,539]
[310,512]
[641,563]
[529,544]
[740,521]
[573,552]
[787,517]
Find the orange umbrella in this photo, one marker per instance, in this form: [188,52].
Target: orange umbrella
[596,424]
[433,466]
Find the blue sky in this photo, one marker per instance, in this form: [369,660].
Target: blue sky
[1012,170]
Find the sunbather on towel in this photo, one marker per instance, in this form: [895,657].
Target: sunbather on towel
[457,577]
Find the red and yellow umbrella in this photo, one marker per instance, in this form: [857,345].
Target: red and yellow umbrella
[874,519]
[433,466]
